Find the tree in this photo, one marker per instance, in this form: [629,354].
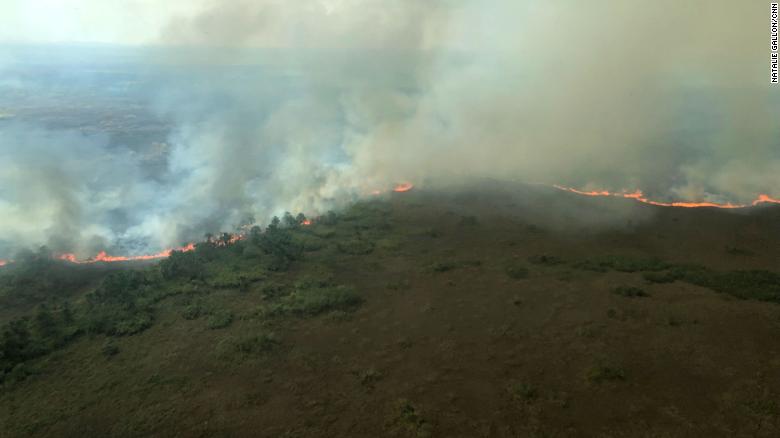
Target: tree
[274,224]
[183,265]
[254,234]
[44,324]
[67,313]
[289,221]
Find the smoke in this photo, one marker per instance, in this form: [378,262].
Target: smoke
[65,189]
[307,105]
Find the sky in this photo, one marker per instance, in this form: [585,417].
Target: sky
[131,22]
[669,97]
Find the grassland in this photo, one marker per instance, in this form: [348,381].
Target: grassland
[485,313]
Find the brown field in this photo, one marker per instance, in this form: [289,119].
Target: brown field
[480,318]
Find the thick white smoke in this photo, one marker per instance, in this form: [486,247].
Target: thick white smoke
[353,95]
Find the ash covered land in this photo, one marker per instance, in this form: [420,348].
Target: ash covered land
[365,218]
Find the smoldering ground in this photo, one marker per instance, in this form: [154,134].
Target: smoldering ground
[311,104]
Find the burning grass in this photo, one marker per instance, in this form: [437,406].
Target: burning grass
[225,308]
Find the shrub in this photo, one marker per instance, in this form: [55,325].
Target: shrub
[523,392]
[543,259]
[309,243]
[115,307]
[660,277]
[443,266]
[411,421]
[313,301]
[622,264]
[356,246]
[192,311]
[130,324]
[109,349]
[629,291]
[517,272]
[278,242]
[182,265]
[606,373]
[220,319]
[468,221]
[247,346]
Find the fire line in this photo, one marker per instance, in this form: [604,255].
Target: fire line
[637,195]
[640,197]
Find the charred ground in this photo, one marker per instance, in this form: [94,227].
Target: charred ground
[503,311]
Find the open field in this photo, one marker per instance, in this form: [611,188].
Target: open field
[506,311]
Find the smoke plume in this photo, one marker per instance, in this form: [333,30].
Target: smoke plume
[306,105]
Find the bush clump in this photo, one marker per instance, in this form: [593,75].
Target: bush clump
[220,319]
[247,346]
[606,373]
[443,266]
[630,292]
[118,306]
[356,246]
[622,264]
[517,272]
[523,391]
[544,259]
[314,300]
[109,349]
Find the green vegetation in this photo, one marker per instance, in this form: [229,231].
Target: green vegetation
[409,419]
[220,319]
[314,300]
[630,292]
[546,260]
[248,346]
[622,264]
[109,349]
[125,302]
[356,246]
[517,272]
[759,285]
[523,392]
[267,332]
[606,373]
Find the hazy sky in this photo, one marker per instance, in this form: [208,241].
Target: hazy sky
[89,21]
[668,96]
[271,23]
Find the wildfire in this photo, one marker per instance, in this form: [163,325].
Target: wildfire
[103,257]
[399,188]
[640,197]
[637,195]
[403,187]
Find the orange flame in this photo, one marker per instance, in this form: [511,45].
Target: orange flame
[762,198]
[639,196]
[103,257]
[403,187]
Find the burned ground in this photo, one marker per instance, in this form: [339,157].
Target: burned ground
[514,312]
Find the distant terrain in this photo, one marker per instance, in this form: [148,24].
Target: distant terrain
[503,310]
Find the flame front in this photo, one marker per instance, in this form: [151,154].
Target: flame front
[103,257]
[403,187]
[639,196]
